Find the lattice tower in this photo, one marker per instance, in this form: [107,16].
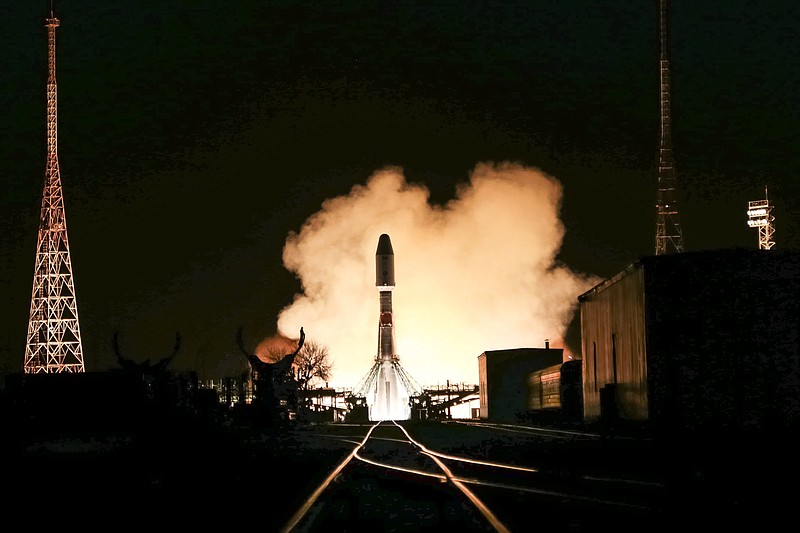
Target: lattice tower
[54,338]
[759,215]
[669,236]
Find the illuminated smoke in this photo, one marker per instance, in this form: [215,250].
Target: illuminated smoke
[477,273]
[272,348]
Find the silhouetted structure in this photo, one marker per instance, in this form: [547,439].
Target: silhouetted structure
[151,378]
[696,341]
[357,409]
[437,403]
[274,384]
[139,397]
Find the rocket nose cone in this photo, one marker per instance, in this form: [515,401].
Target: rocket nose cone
[384,246]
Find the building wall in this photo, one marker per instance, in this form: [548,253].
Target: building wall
[505,379]
[483,387]
[723,339]
[571,389]
[695,340]
[545,387]
[613,344]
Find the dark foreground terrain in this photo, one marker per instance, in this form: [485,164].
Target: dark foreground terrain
[201,470]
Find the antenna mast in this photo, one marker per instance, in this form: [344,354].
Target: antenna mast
[54,338]
[669,237]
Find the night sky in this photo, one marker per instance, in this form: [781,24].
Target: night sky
[194,137]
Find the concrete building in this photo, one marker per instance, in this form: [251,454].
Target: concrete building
[696,340]
[505,379]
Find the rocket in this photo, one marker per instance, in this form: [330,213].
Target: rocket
[389,396]
[384,281]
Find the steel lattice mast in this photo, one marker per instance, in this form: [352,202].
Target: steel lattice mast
[54,338]
[669,237]
[759,215]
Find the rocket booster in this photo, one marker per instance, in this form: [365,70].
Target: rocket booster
[389,385]
[384,281]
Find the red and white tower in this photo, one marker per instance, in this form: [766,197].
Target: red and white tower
[54,338]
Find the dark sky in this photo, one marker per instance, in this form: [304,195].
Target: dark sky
[195,136]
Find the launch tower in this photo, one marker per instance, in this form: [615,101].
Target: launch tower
[387,387]
[669,237]
[54,338]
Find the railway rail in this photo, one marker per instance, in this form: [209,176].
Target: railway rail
[471,476]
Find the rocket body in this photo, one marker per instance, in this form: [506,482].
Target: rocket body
[384,281]
[390,400]
[387,387]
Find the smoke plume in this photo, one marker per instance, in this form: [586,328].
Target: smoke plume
[475,274]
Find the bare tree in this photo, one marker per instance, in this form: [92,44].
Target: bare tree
[312,364]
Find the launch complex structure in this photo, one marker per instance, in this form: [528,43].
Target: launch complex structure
[387,388]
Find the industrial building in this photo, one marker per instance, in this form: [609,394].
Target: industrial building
[556,393]
[696,340]
[504,379]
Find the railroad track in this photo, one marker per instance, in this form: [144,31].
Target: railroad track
[406,477]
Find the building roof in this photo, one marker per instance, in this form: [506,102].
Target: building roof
[745,257]
[518,351]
